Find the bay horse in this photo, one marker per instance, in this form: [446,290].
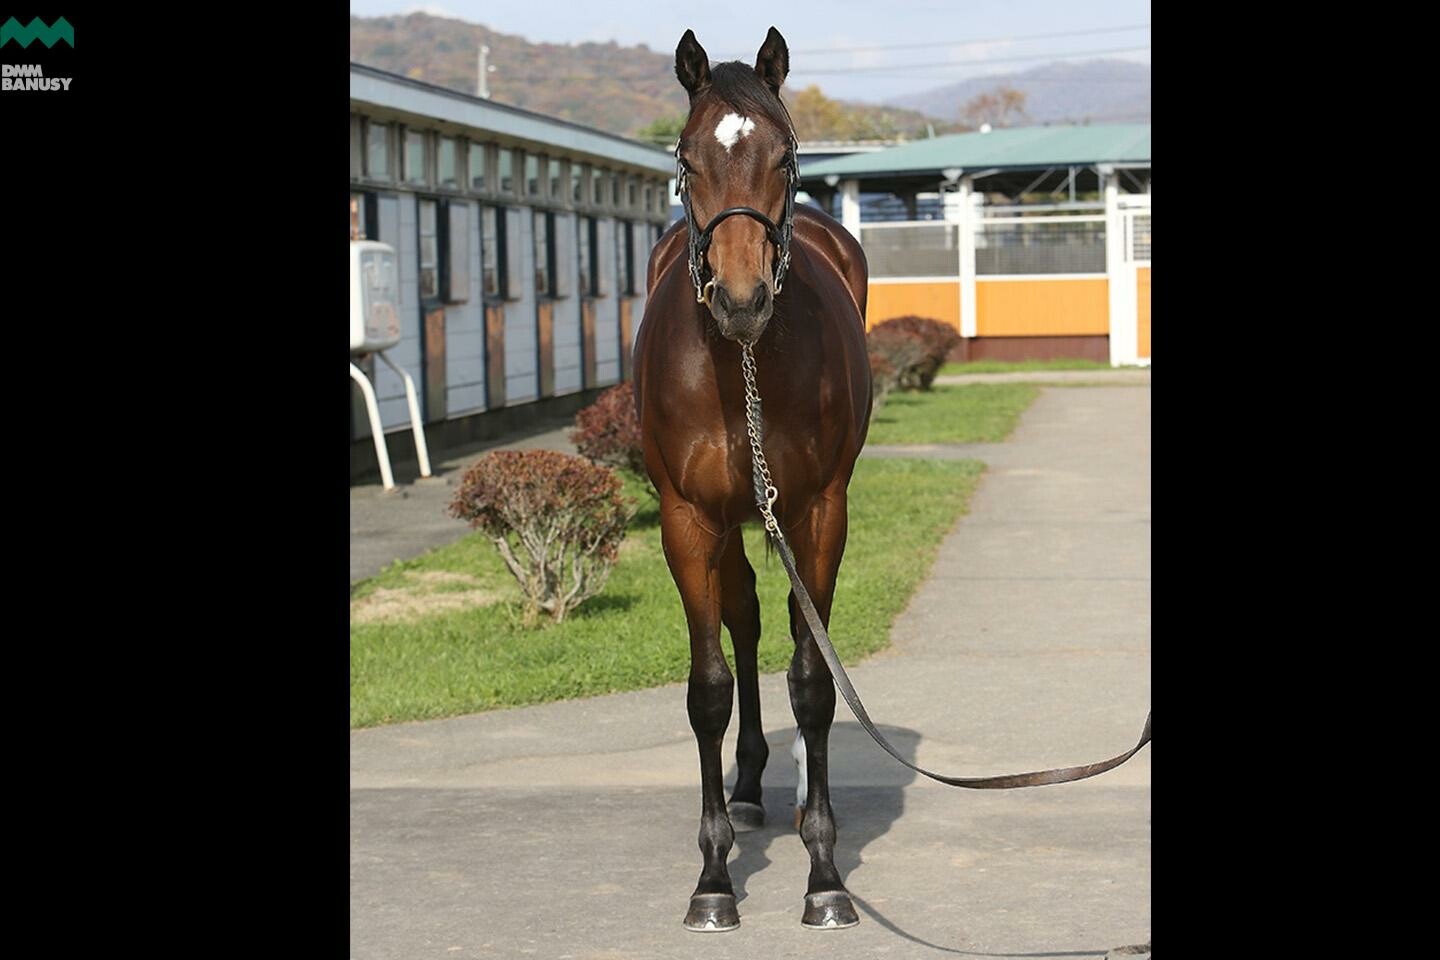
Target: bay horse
[790,282]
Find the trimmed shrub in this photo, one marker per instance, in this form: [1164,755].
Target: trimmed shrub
[882,379]
[937,339]
[556,520]
[904,354]
[608,432]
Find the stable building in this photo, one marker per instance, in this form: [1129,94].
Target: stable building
[1033,242]
[522,242]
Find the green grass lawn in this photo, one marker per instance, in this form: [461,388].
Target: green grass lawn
[440,634]
[974,413]
[1015,366]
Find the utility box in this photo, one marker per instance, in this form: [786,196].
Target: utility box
[374,297]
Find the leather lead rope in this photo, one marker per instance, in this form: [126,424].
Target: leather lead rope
[765,493]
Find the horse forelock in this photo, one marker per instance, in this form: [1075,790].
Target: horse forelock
[736,85]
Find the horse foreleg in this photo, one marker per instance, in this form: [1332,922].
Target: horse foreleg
[693,554]
[818,543]
[740,612]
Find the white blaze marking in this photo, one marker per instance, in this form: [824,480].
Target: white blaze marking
[729,130]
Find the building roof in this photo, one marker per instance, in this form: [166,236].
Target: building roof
[1020,148]
[392,93]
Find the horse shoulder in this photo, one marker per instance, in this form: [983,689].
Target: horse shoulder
[670,245]
[826,237]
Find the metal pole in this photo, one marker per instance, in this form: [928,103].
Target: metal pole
[482,84]
[381,453]
[421,451]
[969,328]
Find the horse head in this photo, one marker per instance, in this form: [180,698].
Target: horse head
[737,174]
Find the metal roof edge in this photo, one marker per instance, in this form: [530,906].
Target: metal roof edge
[522,124]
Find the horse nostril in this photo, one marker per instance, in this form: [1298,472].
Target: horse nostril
[720,298]
[762,297]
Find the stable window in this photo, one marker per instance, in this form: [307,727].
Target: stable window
[555,192]
[615,190]
[445,164]
[625,257]
[597,187]
[507,172]
[577,182]
[357,147]
[478,165]
[585,246]
[492,252]
[455,215]
[429,250]
[415,157]
[377,150]
[634,193]
[532,176]
[544,253]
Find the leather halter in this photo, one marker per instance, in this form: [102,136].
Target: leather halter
[778,234]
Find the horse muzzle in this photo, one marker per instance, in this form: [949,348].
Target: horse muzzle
[742,319]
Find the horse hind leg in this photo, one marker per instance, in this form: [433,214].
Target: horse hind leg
[740,612]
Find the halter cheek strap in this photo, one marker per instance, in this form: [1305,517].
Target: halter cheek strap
[778,234]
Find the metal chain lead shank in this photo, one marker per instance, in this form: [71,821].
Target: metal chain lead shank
[765,492]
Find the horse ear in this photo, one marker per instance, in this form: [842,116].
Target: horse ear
[772,63]
[692,66]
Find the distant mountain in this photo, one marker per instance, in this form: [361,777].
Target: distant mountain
[604,85]
[1097,91]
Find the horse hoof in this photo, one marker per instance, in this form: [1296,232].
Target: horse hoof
[712,913]
[831,910]
[746,816]
[799,815]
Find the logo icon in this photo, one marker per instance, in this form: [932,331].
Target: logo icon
[37,30]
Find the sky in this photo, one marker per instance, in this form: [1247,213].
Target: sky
[831,41]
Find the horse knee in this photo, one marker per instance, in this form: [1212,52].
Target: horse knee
[812,692]
[709,700]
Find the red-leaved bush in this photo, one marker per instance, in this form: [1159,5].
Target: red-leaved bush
[935,338]
[897,357]
[882,379]
[557,521]
[608,432]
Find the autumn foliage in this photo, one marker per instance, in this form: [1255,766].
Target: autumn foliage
[556,520]
[608,432]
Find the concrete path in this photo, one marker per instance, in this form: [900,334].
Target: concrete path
[569,830]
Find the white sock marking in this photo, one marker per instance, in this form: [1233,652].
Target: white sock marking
[797,753]
[730,129]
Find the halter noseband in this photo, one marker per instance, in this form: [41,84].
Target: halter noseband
[778,234]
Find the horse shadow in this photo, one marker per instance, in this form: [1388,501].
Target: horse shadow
[863,813]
